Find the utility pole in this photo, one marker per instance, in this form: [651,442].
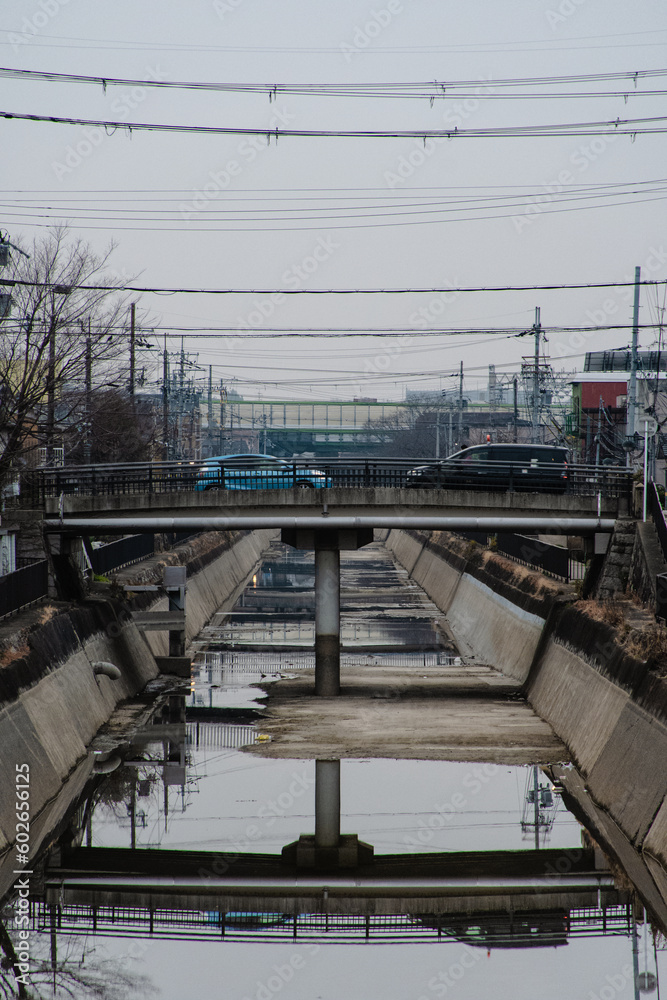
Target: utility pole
[460,405]
[87,446]
[537,330]
[210,398]
[632,395]
[223,397]
[132,353]
[51,394]
[165,401]
[597,446]
[516,407]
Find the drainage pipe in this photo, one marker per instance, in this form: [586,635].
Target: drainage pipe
[137,525]
[334,883]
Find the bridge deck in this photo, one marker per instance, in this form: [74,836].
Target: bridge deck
[343,502]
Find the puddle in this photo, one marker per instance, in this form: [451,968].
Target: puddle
[186,867]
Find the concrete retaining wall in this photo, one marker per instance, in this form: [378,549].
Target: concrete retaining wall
[51,702]
[496,612]
[607,705]
[218,566]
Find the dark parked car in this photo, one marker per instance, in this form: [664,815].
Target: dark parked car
[536,468]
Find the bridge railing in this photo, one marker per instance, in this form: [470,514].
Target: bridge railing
[120,479]
[500,930]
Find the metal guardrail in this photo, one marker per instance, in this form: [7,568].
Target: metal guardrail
[121,552]
[168,477]
[23,587]
[489,930]
[554,560]
[658,515]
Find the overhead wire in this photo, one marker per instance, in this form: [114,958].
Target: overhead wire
[431,290]
[651,125]
[529,45]
[430,90]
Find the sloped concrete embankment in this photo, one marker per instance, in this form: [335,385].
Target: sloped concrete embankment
[496,610]
[601,687]
[218,566]
[51,701]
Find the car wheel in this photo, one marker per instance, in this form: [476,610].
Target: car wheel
[305,484]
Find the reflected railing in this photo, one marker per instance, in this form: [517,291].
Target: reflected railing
[482,929]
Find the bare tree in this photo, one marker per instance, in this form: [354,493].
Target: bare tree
[57,333]
[113,427]
[81,974]
[416,431]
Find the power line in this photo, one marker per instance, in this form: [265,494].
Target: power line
[470,47]
[423,90]
[616,126]
[448,290]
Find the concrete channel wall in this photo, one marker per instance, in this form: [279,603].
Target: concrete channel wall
[218,567]
[607,704]
[52,703]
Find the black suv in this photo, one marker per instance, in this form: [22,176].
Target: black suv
[537,468]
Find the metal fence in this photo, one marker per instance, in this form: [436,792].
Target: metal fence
[658,515]
[554,560]
[168,477]
[483,930]
[23,587]
[122,552]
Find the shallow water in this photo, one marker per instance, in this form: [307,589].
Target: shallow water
[517,912]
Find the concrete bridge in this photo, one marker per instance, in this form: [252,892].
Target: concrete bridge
[342,501]
[329,521]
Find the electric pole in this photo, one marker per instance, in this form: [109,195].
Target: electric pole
[632,395]
[537,330]
[132,353]
[165,401]
[87,446]
[460,405]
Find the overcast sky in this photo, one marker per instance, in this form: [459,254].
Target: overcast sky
[348,213]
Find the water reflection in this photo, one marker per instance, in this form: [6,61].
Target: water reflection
[474,876]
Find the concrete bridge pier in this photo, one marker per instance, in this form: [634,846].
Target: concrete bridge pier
[327,622]
[328,850]
[327,544]
[327,803]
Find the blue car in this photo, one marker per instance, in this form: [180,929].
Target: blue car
[256,472]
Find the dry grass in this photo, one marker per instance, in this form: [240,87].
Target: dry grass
[15,649]
[610,612]
[648,643]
